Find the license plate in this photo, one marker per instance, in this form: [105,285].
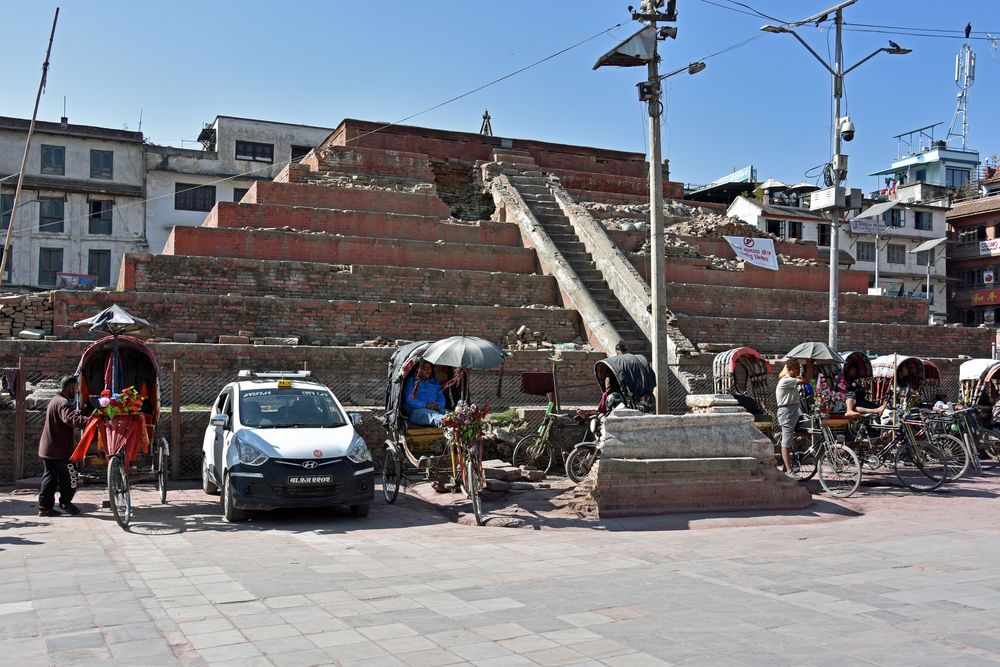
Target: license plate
[314,479]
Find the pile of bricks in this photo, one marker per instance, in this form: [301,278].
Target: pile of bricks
[31,311]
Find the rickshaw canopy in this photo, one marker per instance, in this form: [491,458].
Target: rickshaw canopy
[135,366]
[739,364]
[859,360]
[975,369]
[632,372]
[401,363]
[890,365]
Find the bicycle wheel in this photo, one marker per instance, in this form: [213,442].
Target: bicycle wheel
[580,461]
[161,470]
[391,473]
[534,451]
[958,455]
[118,491]
[921,468]
[474,485]
[803,461]
[989,445]
[839,470]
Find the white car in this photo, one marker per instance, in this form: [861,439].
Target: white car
[276,439]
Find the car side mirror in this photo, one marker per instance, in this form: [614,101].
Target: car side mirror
[356,418]
[220,420]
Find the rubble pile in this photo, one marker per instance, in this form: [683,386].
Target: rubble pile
[525,338]
[26,312]
[628,217]
[502,476]
[364,182]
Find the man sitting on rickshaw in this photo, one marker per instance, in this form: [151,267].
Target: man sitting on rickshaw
[423,397]
[857,398]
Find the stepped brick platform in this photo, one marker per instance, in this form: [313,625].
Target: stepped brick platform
[230,215]
[212,315]
[804,278]
[357,199]
[302,247]
[305,280]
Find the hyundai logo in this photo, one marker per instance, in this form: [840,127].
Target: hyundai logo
[309,464]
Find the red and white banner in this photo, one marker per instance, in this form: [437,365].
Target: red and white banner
[758,252]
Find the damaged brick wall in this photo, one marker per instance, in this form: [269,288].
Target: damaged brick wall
[460,186]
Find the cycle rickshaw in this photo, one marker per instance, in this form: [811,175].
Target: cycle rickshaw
[424,452]
[124,439]
[743,374]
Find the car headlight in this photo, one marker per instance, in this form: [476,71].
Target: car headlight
[249,454]
[358,453]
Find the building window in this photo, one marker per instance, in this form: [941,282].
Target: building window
[99,264]
[794,229]
[923,257]
[866,251]
[191,197]
[893,218]
[252,150]
[923,221]
[53,160]
[776,227]
[956,178]
[896,254]
[100,216]
[6,208]
[50,215]
[239,193]
[50,262]
[823,235]
[299,152]
[921,175]
[10,264]
[102,164]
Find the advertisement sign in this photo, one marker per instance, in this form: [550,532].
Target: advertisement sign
[758,252]
[988,276]
[989,247]
[868,226]
[985,297]
[75,281]
[989,317]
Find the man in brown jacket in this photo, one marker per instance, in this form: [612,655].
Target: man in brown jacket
[56,446]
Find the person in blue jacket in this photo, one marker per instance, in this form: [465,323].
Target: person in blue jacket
[423,397]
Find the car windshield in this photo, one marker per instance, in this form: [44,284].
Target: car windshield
[273,407]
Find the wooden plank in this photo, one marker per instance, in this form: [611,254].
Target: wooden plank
[20,415]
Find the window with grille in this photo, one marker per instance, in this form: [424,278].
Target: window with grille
[794,229]
[53,160]
[866,251]
[192,197]
[823,235]
[922,220]
[50,262]
[896,254]
[253,150]
[50,215]
[102,164]
[100,216]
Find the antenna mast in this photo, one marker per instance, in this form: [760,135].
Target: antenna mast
[965,75]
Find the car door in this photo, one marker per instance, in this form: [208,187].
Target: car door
[223,433]
[208,445]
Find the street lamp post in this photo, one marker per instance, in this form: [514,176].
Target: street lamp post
[838,163]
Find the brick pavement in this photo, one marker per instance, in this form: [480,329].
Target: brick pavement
[913,580]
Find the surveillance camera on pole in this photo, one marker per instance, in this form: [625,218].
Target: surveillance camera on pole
[846,128]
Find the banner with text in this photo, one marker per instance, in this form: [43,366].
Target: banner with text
[989,247]
[758,252]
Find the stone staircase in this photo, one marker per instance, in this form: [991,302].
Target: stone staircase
[531,184]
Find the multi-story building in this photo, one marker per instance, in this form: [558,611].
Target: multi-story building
[183,184]
[81,206]
[974,259]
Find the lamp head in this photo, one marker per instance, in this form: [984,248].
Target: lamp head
[696,67]
[774,28]
[896,50]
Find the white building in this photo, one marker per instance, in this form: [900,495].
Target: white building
[82,204]
[790,220]
[183,184]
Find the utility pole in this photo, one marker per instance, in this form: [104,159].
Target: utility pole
[838,91]
[27,145]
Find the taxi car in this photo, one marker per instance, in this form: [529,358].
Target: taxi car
[277,439]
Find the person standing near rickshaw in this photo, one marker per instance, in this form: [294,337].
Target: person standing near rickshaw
[54,448]
[787,397]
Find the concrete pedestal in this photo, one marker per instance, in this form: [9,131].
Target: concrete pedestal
[709,461]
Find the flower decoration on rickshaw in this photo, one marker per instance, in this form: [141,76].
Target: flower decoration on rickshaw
[466,423]
[126,402]
[827,394]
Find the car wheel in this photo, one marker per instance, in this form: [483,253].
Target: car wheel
[207,483]
[360,510]
[229,511]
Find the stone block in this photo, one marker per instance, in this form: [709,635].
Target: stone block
[280,341]
[185,338]
[534,475]
[31,334]
[496,485]
[234,340]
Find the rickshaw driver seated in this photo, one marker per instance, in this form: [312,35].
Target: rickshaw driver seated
[423,397]
[857,398]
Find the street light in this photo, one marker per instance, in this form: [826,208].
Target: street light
[838,162]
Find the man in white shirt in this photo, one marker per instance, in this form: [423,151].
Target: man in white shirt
[787,397]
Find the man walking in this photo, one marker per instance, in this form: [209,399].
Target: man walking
[55,447]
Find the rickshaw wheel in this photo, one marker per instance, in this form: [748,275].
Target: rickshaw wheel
[958,457]
[474,487]
[118,492]
[391,473]
[991,447]
[161,471]
[839,471]
[532,451]
[579,462]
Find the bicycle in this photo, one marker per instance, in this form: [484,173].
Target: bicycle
[837,465]
[471,477]
[963,423]
[919,465]
[536,450]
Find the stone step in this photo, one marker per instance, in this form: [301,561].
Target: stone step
[590,274]
[518,179]
[521,167]
[527,188]
[512,155]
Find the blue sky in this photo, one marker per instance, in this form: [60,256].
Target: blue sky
[767,103]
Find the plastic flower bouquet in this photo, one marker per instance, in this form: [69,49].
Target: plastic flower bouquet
[827,395]
[466,423]
[126,402]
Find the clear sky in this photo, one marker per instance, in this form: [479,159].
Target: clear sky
[181,63]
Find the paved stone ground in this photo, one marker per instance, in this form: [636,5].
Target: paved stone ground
[906,580]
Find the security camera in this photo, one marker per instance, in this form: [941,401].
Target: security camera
[846,128]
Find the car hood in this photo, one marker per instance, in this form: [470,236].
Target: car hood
[300,443]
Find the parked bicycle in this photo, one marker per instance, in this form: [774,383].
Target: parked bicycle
[816,451]
[920,464]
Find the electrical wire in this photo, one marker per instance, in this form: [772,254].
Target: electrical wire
[281,165]
[756,12]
